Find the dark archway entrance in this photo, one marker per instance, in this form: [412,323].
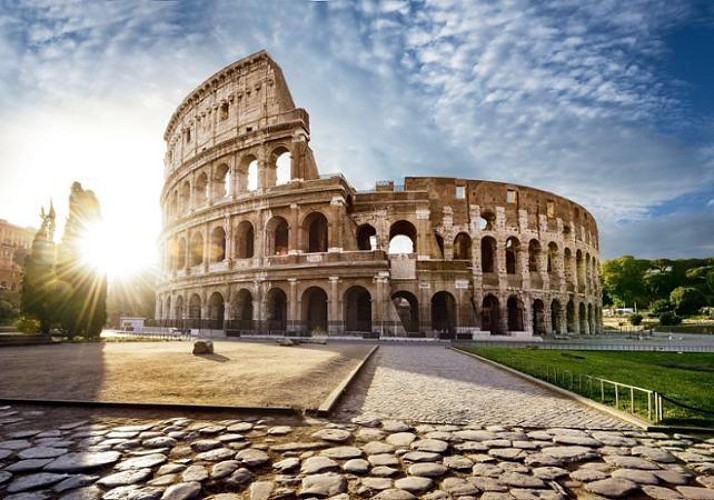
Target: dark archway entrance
[539,317]
[357,310]
[489,315]
[443,314]
[276,310]
[407,307]
[314,310]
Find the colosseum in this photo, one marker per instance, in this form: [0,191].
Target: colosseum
[256,241]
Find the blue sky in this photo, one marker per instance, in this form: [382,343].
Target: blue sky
[609,103]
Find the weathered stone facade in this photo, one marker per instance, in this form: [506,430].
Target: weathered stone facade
[255,239]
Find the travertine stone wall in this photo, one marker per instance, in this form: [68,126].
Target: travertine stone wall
[255,240]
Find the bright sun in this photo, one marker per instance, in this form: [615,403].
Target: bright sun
[101,249]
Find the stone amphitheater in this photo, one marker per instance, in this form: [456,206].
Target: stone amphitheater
[256,240]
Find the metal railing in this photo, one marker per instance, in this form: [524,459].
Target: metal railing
[637,401]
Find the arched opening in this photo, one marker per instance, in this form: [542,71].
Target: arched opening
[181,254]
[185,196]
[443,314]
[221,182]
[178,308]
[402,237]
[216,311]
[196,249]
[580,270]
[366,237]
[282,164]
[487,222]
[314,310]
[534,256]
[218,245]
[276,310]
[173,205]
[462,247]
[439,245]
[556,316]
[278,236]
[407,307]
[515,314]
[245,240]
[243,309]
[583,317]
[490,315]
[539,317]
[252,176]
[315,232]
[488,255]
[201,195]
[570,316]
[357,310]
[591,319]
[568,265]
[194,311]
[553,263]
[512,249]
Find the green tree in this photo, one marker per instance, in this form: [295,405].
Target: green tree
[83,298]
[687,300]
[623,280]
[40,280]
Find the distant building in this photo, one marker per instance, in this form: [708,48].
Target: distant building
[15,241]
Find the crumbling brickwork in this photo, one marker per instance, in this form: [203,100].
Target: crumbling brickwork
[254,240]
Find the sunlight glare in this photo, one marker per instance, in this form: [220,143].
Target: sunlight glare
[101,249]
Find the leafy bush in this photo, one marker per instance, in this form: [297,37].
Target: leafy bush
[669,318]
[27,325]
[661,305]
[687,300]
[635,319]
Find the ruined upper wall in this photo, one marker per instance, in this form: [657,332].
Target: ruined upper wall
[245,98]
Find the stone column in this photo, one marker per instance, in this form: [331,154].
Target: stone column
[334,318]
[425,309]
[206,249]
[334,237]
[294,243]
[423,233]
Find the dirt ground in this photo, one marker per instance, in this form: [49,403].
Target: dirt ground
[238,374]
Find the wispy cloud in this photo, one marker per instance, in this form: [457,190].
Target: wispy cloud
[564,95]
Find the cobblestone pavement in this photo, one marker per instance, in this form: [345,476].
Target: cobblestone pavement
[250,459]
[434,384]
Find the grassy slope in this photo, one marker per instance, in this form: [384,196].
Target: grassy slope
[687,377]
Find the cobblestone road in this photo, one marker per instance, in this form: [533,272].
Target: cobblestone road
[434,384]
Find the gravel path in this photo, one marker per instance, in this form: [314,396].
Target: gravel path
[434,384]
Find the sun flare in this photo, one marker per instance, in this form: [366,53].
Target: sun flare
[104,251]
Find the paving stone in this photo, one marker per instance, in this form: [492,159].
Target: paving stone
[323,485]
[377,483]
[195,474]
[543,460]
[240,427]
[28,465]
[456,486]
[5,476]
[513,467]
[15,444]
[570,453]
[660,493]
[41,452]
[518,480]
[142,462]
[317,465]
[631,462]
[695,493]
[414,484]
[458,462]
[588,475]
[549,473]
[366,435]
[672,476]
[240,477]
[475,435]
[636,476]
[508,453]
[486,470]
[182,491]
[383,459]
[332,435]
[159,442]
[356,466]
[706,481]
[5,453]
[394,494]
[165,480]
[125,478]
[90,492]
[261,490]
[395,426]
[471,446]
[401,439]
[342,452]
[83,461]
[229,437]
[569,439]
[430,445]
[654,454]
[427,470]
[280,430]
[612,488]
[216,455]
[421,456]
[170,468]
[252,457]
[286,465]
[34,481]
[377,448]
[297,446]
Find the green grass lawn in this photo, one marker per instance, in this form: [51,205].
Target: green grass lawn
[687,378]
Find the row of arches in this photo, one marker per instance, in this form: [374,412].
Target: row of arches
[191,250]
[214,183]
[313,313]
